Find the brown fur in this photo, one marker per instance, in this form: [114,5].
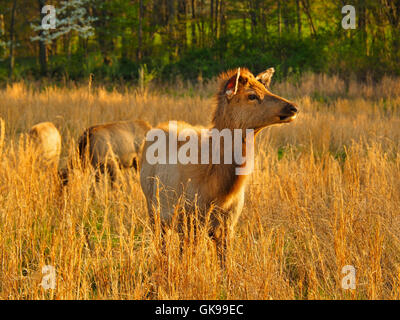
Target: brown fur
[215,186]
[113,145]
[46,140]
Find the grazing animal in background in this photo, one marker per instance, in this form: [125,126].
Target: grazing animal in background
[46,140]
[243,102]
[112,146]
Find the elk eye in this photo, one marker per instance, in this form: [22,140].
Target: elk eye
[252,97]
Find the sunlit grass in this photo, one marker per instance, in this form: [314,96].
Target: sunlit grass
[325,194]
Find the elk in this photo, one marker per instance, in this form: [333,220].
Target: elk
[46,140]
[242,102]
[112,146]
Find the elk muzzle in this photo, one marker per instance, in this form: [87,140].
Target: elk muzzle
[288,113]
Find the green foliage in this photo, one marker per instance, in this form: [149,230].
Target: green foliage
[175,39]
[145,77]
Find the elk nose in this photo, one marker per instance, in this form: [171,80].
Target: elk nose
[290,107]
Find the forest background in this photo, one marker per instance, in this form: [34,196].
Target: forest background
[128,40]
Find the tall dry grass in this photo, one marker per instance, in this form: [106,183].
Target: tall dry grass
[325,194]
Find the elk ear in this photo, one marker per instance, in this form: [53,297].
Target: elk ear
[233,84]
[265,77]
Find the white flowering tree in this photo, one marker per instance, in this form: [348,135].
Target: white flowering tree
[71,16]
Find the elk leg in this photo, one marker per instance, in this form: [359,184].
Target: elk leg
[219,235]
[108,169]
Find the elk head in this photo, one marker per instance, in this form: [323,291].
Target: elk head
[244,102]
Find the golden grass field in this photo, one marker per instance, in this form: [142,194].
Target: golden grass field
[325,194]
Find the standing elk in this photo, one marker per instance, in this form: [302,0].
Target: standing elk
[112,146]
[243,102]
[46,140]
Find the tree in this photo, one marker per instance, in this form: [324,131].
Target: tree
[298,18]
[72,16]
[200,36]
[42,43]
[12,39]
[3,44]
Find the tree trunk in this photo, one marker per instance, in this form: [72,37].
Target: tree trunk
[102,26]
[244,28]
[171,26]
[298,14]
[211,18]
[2,30]
[42,44]
[201,24]
[193,24]
[182,27]
[12,36]
[306,6]
[362,24]
[253,17]
[279,19]
[222,19]
[392,12]
[223,28]
[216,20]
[140,32]
[285,17]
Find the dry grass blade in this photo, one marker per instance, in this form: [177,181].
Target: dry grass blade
[325,194]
